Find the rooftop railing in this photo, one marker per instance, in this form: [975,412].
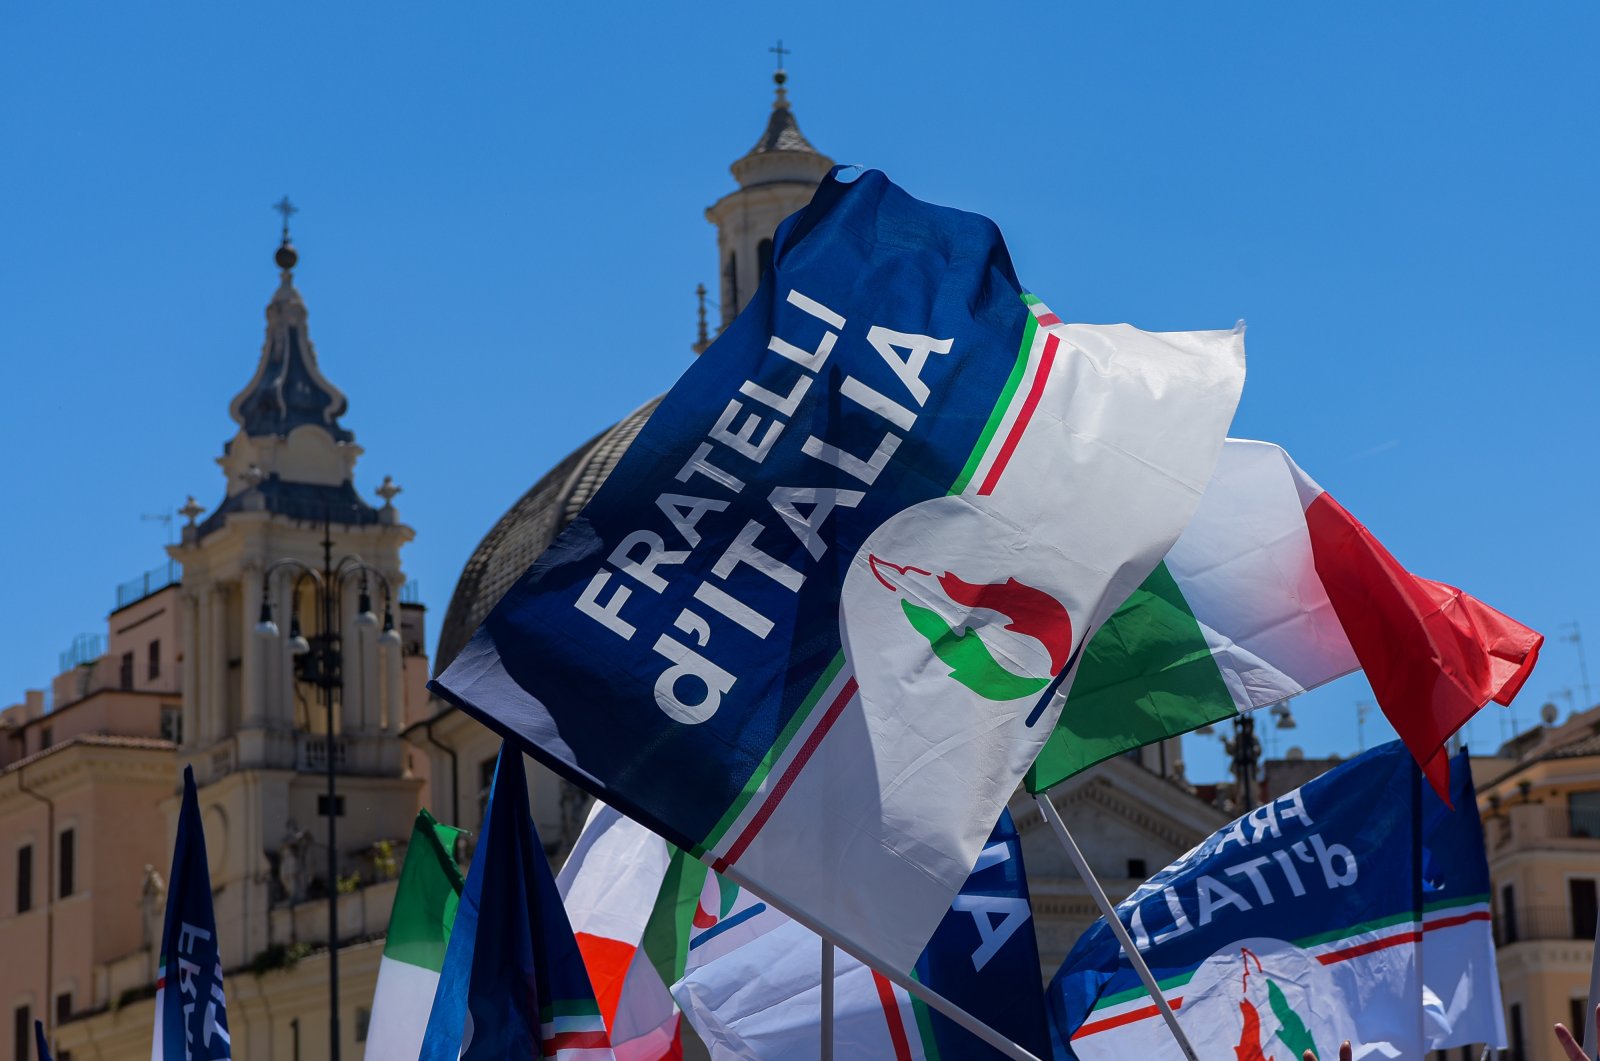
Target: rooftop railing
[153,580]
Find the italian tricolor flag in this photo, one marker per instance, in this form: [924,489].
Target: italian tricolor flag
[419,932]
[1273,589]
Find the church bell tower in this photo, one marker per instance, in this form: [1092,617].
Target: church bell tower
[292,539]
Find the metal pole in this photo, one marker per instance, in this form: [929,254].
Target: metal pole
[827,1001]
[1136,959]
[913,987]
[329,654]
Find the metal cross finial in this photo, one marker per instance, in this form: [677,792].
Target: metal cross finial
[780,51]
[287,209]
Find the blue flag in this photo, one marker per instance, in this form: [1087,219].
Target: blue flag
[513,982]
[984,957]
[1354,907]
[821,617]
[38,1038]
[191,1011]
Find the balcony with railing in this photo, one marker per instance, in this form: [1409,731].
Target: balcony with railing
[311,753]
[1523,924]
[152,581]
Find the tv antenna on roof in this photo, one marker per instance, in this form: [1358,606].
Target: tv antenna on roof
[162,518]
[1576,637]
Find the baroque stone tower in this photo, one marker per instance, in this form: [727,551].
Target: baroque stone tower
[256,733]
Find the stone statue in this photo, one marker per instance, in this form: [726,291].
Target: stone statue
[292,862]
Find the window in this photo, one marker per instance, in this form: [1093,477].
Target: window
[1584,905]
[1579,1007]
[68,869]
[172,724]
[47,737]
[24,878]
[1508,914]
[63,1007]
[1583,814]
[125,676]
[154,670]
[1518,1053]
[1137,869]
[22,1033]
[363,1019]
[322,806]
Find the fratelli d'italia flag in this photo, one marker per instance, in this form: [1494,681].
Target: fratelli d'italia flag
[816,624]
[425,902]
[191,1011]
[1355,907]
[1272,589]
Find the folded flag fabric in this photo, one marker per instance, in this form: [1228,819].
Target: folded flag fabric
[1273,589]
[831,592]
[425,902]
[513,982]
[191,1020]
[763,998]
[1347,909]
[610,884]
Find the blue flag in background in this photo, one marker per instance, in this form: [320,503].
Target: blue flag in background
[1354,907]
[38,1038]
[191,1012]
[513,982]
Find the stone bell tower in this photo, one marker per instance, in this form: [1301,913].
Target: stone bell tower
[293,541]
[776,178]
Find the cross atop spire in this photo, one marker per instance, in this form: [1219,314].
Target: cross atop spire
[780,51]
[288,210]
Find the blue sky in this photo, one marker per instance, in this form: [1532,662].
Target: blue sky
[502,229]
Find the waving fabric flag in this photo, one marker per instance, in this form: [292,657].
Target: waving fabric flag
[425,902]
[39,1041]
[513,982]
[191,1011]
[831,592]
[1347,909]
[763,999]
[1273,589]
[610,884]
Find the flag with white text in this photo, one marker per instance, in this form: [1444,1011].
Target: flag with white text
[1351,908]
[820,618]
[191,1020]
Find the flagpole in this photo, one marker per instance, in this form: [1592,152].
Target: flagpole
[912,986]
[827,1001]
[1136,959]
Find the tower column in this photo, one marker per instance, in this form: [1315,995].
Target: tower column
[216,663]
[190,672]
[252,702]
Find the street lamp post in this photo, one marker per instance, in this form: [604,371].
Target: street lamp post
[318,661]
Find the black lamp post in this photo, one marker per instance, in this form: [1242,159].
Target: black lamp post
[318,661]
[1245,751]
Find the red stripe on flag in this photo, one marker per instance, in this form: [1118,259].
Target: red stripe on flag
[1433,654]
[1048,319]
[575,1041]
[1035,392]
[1459,919]
[1126,1018]
[1368,947]
[801,758]
[891,1014]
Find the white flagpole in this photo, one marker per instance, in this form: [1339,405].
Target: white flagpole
[1052,816]
[1594,996]
[913,987]
[827,1001]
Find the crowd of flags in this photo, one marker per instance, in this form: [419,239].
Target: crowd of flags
[900,541]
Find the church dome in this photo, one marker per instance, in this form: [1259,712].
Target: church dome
[528,528]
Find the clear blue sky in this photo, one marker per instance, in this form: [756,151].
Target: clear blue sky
[502,228]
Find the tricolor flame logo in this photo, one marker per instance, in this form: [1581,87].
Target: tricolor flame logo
[1030,613]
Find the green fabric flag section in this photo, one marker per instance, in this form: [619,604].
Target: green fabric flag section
[666,934]
[1146,675]
[426,898]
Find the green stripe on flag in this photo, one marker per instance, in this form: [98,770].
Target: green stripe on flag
[776,749]
[1139,992]
[1000,406]
[426,896]
[666,933]
[574,1007]
[1146,675]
